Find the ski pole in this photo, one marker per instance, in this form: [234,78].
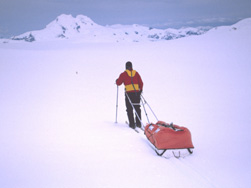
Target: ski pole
[117,104]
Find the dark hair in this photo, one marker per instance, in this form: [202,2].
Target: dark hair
[128,65]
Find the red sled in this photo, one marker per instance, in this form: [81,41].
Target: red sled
[164,136]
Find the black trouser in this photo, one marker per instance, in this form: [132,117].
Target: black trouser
[135,98]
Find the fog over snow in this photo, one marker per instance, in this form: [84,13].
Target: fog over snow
[58,105]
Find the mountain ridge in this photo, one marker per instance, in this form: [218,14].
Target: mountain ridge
[85,29]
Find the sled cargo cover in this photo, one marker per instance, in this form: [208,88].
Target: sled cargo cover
[168,136]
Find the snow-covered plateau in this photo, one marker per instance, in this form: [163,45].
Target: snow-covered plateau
[58,106]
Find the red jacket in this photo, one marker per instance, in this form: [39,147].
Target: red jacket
[131,80]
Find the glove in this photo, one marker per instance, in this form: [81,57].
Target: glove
[140,92]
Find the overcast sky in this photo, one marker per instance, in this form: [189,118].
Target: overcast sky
[19,16]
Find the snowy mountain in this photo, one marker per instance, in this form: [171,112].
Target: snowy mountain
[244,24]
[84,29]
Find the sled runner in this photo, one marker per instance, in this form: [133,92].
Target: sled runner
[164,136]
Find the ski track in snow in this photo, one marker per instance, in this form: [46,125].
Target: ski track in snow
[193,173]
[184,167]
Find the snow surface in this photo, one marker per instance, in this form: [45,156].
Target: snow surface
[58,102]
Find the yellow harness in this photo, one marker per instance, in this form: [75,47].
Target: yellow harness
[131,87]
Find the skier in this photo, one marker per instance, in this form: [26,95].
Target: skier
[133,88]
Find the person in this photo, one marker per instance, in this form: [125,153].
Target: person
[133,88]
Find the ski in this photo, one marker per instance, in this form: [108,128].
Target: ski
[136,130]
[132,128]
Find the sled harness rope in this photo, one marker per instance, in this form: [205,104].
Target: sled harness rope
[143,102]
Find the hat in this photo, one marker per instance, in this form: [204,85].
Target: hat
[128,65]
